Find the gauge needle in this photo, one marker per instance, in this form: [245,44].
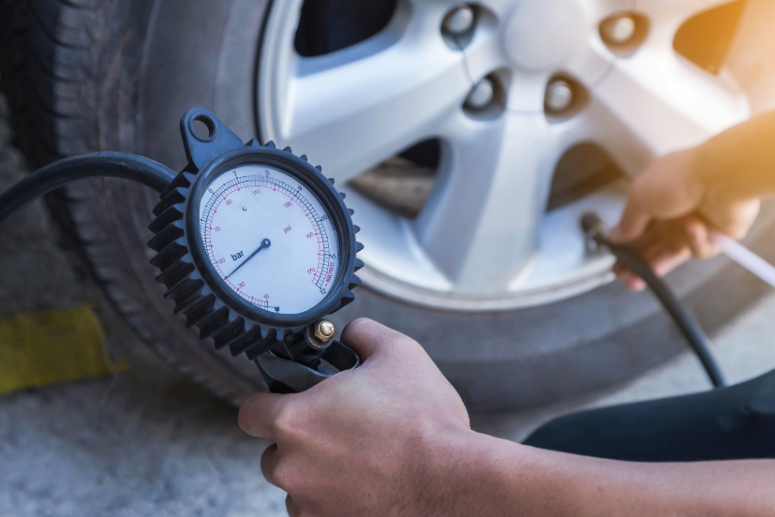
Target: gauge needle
[266,243]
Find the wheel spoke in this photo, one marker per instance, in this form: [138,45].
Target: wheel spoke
[480,226]
[663,103]
[527,91]
[355,108]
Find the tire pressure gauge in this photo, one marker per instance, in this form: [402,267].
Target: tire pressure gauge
[256,247]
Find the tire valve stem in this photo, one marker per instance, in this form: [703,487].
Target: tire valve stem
[595,231]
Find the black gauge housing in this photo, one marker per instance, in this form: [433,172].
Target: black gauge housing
[191,279]
[316,183]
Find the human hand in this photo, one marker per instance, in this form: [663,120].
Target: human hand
[392,438]
[371,441]
[671,214]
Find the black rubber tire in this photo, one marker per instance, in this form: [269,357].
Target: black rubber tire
[71,72]
[84,75]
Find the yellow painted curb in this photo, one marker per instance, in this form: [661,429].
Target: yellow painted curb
[37,349]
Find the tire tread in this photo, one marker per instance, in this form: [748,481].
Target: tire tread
[55,71]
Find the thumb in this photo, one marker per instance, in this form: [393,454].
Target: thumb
[632,225]
[369,338]
[669,188]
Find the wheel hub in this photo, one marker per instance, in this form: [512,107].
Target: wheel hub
[484,240]
[541,34]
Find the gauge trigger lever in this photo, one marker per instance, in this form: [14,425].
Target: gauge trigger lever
[286,376]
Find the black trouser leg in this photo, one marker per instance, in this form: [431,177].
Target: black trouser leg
[730,423]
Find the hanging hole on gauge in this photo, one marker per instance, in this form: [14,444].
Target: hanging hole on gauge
[203,128]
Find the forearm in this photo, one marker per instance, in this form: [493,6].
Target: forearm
[700,489]
[739,164]
[502,478]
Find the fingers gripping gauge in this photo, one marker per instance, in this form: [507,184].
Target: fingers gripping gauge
[256,247]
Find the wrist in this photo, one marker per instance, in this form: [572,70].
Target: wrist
[445,473]
[491,477]
[485,476]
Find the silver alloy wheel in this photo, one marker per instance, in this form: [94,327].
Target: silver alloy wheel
[483,241]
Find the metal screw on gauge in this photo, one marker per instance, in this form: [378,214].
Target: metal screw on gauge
[620,30]
[321,335]
[481,95]
[559,96]
[325,331]
[459,21]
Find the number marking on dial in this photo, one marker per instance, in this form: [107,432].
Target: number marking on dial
[304,245]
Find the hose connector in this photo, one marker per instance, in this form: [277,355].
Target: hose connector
[595,231]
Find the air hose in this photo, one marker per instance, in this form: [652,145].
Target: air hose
[596,231]
[113,165]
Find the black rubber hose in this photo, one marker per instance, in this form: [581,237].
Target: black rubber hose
[684,319]
[58,174]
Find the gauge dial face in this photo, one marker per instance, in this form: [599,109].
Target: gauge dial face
[270,239]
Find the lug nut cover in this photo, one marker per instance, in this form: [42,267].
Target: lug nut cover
[459,21]
[620,30]
[481,95]
[559,96]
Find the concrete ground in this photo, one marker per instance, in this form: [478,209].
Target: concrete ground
[147,442]
[119,447]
